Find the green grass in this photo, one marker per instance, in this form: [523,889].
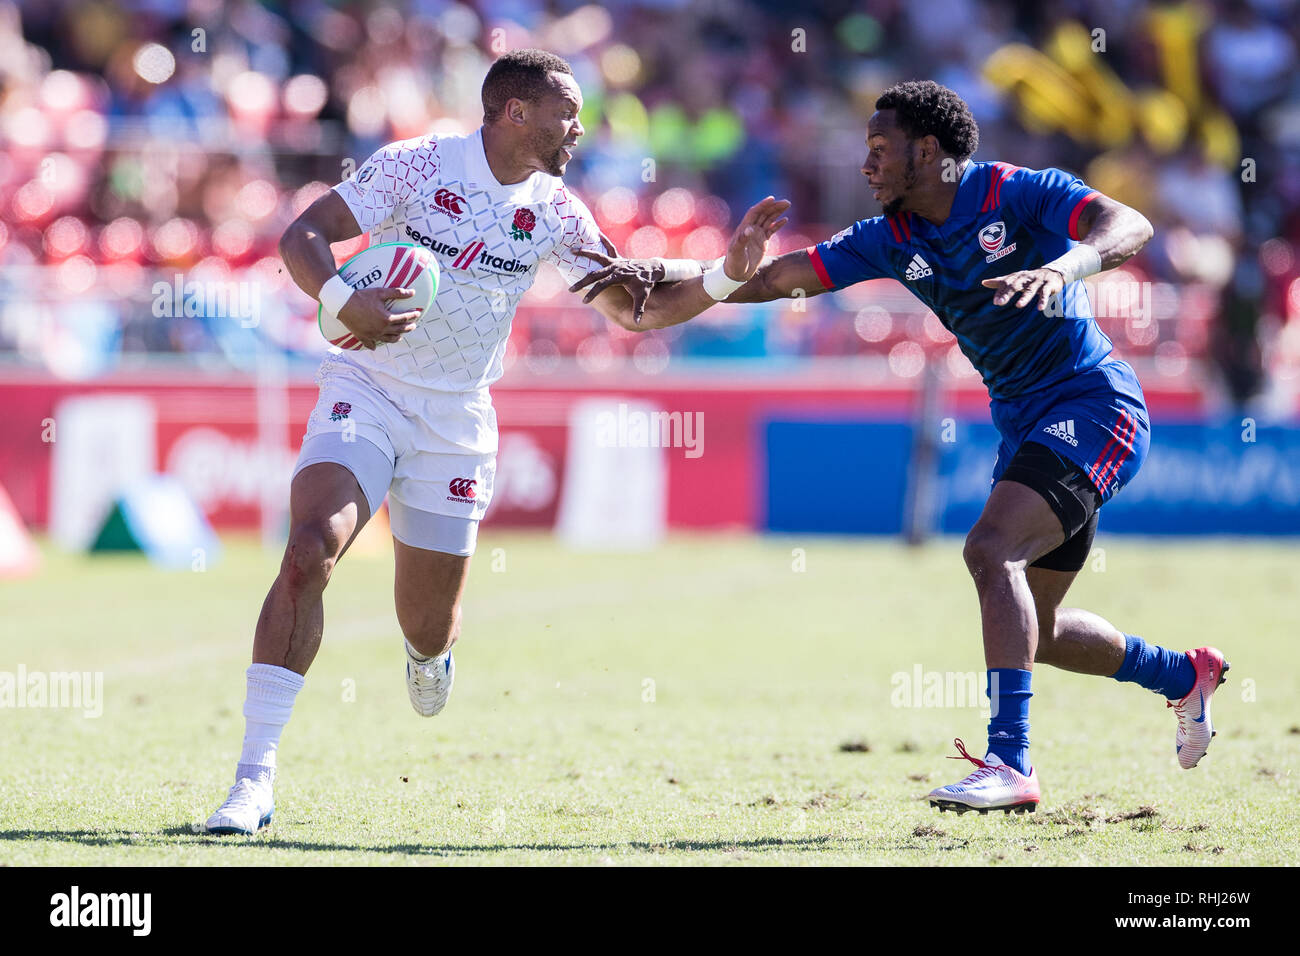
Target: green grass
[552,751]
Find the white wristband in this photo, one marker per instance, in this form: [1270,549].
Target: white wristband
[1081,261]
[675,270]
[334,294]
[720,285]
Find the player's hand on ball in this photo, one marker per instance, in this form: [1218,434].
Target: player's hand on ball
[749,242]
[367,316]
[1043,283]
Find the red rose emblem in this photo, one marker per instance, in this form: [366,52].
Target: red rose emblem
[525,220]
[341,410]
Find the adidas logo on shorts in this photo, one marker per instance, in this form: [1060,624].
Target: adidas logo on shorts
[918,268]
[1064,431]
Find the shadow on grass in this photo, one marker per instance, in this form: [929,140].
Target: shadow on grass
[179,835]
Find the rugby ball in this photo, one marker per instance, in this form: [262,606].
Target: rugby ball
[387,265]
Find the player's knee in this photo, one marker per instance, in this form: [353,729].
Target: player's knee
[986,549]
[310,556]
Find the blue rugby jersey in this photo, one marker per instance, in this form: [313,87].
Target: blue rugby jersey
[1004,218]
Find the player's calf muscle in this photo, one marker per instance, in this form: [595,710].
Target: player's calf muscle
[1080,641]
[1046,650]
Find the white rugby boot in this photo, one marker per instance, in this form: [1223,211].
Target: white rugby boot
[993,786]
[429,680]
[1195,729]
[247,809]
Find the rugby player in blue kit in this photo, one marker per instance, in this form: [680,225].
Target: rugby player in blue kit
[997,252]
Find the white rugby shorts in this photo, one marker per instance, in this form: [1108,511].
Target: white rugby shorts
[411,447]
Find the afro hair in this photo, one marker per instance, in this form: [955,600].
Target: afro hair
[924,108]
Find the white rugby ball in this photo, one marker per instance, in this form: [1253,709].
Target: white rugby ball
[388,265]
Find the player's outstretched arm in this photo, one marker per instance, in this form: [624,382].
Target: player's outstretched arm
[621,289]
[305,248]
[1110,233]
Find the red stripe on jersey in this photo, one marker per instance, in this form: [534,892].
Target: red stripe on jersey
[988,196]
[1072,230]
[898,236]
[820,267]
[466,257]
[905,222]
[998,173]
[1008,170]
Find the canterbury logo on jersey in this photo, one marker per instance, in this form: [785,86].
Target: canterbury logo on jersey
[918,268]
[462,489]
[474,254]
[1064,431]
[446,201]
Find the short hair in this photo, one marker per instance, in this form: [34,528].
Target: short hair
[519,74]
[924,108]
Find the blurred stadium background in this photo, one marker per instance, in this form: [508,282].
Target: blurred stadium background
[155,150]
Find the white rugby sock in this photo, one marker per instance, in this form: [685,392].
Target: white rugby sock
[267,706]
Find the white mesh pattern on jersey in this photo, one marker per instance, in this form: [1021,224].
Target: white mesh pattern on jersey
[421,194]
[388,178]
[579,231]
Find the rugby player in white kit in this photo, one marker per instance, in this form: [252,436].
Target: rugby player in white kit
[410,416]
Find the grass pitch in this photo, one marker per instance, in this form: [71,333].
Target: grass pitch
[705,703]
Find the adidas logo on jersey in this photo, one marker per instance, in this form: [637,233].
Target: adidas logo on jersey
[918,268]
[1064,431]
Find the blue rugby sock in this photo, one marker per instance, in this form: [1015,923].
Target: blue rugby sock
[1156,668]
[1009,693]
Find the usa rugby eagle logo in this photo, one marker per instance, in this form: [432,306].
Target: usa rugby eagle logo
[992,236]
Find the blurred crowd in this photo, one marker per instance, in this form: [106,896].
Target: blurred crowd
[157,147]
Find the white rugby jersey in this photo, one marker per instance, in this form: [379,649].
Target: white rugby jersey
[489,239]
